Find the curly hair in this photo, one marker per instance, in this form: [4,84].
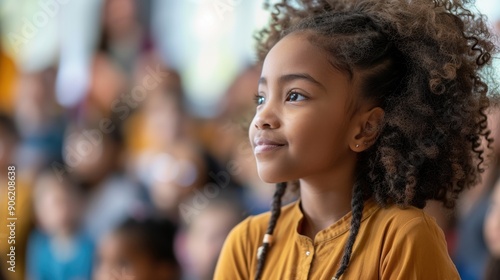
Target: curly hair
[424,62]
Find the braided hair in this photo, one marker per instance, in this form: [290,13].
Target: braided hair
[275,213]
[424,63]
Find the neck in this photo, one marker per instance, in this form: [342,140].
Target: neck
[325,199]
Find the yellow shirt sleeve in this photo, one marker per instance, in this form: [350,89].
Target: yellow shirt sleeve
[417,251]
[233,262]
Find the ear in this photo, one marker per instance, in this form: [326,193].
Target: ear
[366,129]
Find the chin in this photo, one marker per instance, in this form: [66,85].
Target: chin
[271,176]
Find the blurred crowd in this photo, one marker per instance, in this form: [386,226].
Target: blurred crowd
[121,172]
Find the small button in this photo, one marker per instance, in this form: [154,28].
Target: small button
[308,253]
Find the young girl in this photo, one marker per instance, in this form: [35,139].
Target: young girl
[375,107]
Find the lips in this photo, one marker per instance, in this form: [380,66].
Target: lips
[263,145]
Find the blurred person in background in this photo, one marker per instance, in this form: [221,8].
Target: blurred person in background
[40,120]
[58,249]
[93,153]
[471,253]
[124,32]
[123,38]
[138,250]
[161,119]
[202,238]
[492,234]
[9,139]
[174,179]
[162,154]
[107,84]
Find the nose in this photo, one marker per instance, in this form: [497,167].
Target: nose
[266,118]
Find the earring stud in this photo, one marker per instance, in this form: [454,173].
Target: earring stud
[357,145]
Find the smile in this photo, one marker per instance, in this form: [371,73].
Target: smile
[263,145]
[265,148]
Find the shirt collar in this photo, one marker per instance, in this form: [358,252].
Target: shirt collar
[336,229]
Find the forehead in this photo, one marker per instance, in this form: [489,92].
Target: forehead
[295,52]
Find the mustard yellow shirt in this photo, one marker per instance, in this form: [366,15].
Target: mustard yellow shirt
[392,243]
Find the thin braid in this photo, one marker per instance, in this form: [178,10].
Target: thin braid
[275,213]
[357,205]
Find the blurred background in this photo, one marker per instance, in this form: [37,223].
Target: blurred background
[126,121]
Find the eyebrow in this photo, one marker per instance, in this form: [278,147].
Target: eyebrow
[292,77]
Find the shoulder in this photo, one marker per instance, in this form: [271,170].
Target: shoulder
[405,220]
[412,245]
[410,225]
[239,253]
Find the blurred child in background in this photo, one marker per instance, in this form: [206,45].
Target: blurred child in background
[39,120]
[163,156]
[94,153]
[205,232]
[123,32]
[138,250]
[58,249]
[492,234]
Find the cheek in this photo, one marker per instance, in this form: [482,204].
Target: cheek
[318,141]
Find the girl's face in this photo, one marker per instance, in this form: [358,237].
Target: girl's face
[302,126]
[492,223]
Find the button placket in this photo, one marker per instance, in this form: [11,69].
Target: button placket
[307,258]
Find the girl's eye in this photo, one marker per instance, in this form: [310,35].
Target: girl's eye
[259,99]
[295,96]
